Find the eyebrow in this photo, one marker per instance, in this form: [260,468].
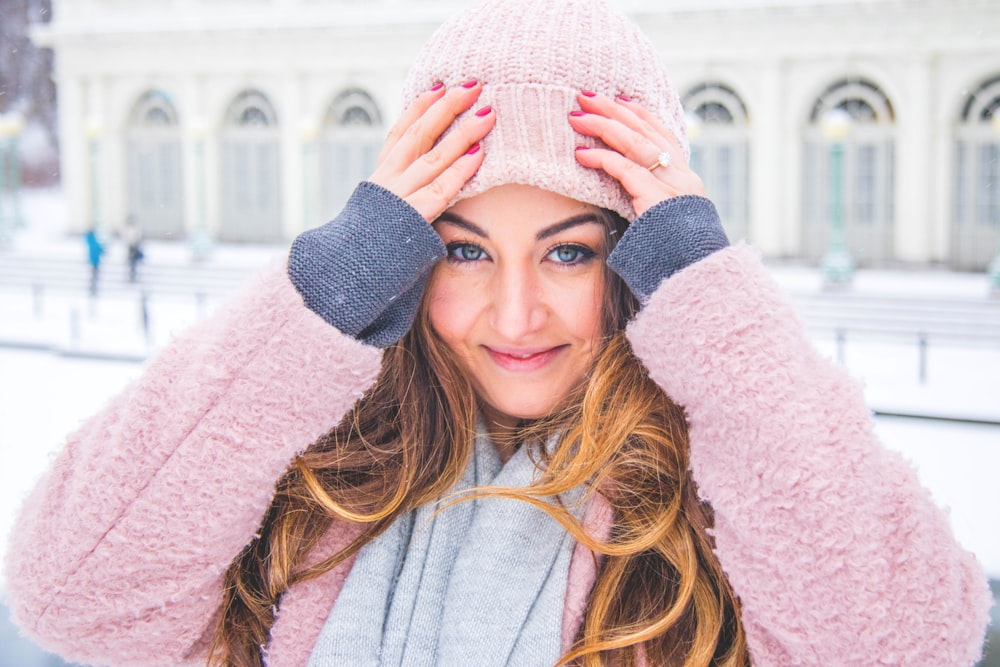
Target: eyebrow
[551,230]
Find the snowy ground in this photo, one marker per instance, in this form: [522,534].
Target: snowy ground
[47,391]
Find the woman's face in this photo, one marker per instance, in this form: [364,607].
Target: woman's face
[518,299]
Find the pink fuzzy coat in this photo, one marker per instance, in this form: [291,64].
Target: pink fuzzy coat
[838,554]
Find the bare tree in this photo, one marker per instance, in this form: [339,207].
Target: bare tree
[26,83]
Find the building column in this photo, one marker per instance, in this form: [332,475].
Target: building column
[192,129]
[789,175]
[96,139]
[73,153]
[290,158]
[213,118]
[943,169]
[766,227]
[918,171]
[116,190]
[196,178]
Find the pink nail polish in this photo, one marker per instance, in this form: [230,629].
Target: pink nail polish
[624,98]
[471,83]
[583,148]
[484,111]
[577,114]
[437,86]
[474,149]
[588,93]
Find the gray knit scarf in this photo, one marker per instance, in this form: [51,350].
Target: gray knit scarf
[481,583]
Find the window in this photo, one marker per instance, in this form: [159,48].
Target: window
[251,174]
[251,109]
[155,177]
[867,183]
[975,228]
[352,138]
[718,132]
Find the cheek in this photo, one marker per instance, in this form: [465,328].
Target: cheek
[450,307]
[581,310]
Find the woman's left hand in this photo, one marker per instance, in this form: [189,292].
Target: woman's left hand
[636,141]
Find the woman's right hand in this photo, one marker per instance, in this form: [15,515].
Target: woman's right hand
[426,173]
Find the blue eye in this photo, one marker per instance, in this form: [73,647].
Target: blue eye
[571,254]
[465,252]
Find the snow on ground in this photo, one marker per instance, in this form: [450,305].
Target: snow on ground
[42,398]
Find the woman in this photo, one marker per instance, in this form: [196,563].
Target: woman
[476,441]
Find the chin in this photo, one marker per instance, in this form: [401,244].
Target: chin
[529,414]
[525,408]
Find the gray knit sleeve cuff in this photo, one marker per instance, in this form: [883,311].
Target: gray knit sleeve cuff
[666,238]
[365,271]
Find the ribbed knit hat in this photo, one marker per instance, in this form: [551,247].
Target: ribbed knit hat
[533,57]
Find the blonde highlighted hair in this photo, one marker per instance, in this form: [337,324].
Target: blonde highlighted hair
[660,597]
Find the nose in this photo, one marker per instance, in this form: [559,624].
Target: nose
[519,307]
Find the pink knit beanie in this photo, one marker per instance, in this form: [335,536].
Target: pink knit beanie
[533,57]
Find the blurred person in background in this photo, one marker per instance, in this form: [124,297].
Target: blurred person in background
[132,238]
[519,403]
[95,251]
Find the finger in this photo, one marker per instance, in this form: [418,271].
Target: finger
[645,188]
[623,113]
[432,199]
[410,115]
[627,141]
[648,118]
[425,130]
[635,116]
[434,162]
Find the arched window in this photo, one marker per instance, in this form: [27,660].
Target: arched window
[251,109]
[867,185]
[251,173]
[976,203]
[154,109]
[155,180]
[718,131]
[351,140]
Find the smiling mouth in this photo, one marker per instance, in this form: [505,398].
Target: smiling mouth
[522,361]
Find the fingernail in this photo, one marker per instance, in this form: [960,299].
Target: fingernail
[583,148]
[437,86]
[471,83]
[624,98]
[588,93]
[577,113]
[484,111]
[474,149]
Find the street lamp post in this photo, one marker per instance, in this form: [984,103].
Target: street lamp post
[994,269]
[838,267]
[11,125]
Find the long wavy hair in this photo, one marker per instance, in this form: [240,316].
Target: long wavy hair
[660,596]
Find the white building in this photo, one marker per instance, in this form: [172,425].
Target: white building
[250,120]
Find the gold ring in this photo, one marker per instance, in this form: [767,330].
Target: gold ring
[662,160]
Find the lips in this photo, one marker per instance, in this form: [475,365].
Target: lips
[523,360]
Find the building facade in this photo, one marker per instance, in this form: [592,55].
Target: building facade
[252,120]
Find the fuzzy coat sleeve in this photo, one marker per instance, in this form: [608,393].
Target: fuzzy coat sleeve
[837,553]
[118,553]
